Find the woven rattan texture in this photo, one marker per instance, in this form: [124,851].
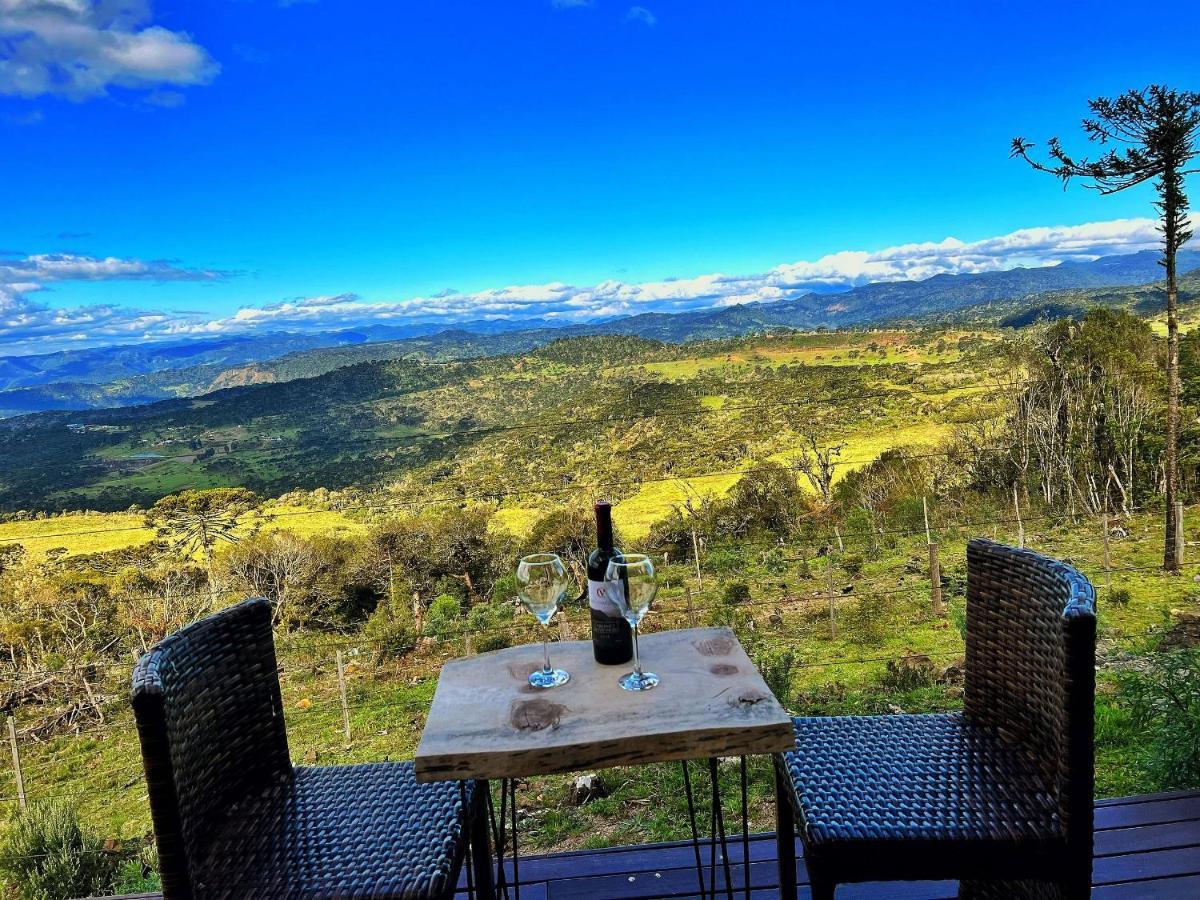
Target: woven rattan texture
[1002,790]
[232,818]
[914,778]
[364,831]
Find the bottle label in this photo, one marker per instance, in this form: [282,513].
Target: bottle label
[601,597]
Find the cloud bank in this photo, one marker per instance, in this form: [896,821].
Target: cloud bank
[78,49]
[27,325]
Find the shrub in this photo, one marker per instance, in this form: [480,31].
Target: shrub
[391,629]
[1119,596]
[47,855]
[735,593]
[773,562]
[868,618]
[777,664]
[852,564]
[490,626]
[910,672]
[1163,696]
[726,610]
[443,619]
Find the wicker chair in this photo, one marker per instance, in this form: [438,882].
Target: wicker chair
[999,796]
[233,818]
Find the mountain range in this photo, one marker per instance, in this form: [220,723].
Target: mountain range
[133,375]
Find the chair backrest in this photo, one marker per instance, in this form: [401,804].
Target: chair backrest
[1030,669]
[210,720]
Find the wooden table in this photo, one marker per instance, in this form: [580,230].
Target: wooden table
[488,722]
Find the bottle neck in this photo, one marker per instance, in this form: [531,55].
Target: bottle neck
[604,528]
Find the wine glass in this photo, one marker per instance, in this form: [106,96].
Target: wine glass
[542,583]
[632,585]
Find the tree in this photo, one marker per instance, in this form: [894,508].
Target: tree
[819,465]
[1158,128]
[196,521]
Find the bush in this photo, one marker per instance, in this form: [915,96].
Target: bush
[721,560]
[1119,596]
[391,629]
[1164,698]
[443,619]
[47,855]
[852,564]
[868,618]
[736,593]
[774,562]
[910,672]
[490,625]
[776,664]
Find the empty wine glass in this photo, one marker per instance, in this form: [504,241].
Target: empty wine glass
[632,585]
[542,583]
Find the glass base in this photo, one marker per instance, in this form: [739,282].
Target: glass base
[548,679]
[635,682]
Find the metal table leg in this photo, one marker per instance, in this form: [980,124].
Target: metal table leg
[745,828]
[719,821]
[480,882]
[785,832]
[687,789]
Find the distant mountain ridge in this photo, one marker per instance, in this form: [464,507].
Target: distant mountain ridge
[127,376]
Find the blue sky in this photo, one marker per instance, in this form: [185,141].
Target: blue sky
[168,164]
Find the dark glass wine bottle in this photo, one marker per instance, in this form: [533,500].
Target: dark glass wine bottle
[612,638]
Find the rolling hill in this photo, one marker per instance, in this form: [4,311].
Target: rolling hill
[160,372]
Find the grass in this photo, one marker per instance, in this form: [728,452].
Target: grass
[77,533]
[83,533]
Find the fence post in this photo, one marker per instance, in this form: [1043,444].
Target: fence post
[935,581]
[837,533]
[691,612]
[1179,533]
[341,670]
[1020,526]
[564,627]
[832,597]
[696,553]
[16,757]
[470,645]
[1107,556]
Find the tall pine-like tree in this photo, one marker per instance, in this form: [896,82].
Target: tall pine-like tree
[1151,135]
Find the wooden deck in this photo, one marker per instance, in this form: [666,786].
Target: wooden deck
[1146,847]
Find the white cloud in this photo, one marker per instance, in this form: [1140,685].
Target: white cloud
[80,48]
[26,326]
[642,15]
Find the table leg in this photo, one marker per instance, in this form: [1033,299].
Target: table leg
[785,832]
[745,828]
[691,805]
[498,836]
[480,871]
[512,784]
[719,816]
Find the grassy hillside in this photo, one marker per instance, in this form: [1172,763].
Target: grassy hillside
[406,424]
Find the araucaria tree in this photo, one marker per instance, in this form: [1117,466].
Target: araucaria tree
[1156,130]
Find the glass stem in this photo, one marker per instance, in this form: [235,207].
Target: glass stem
[637,663]
[546,647]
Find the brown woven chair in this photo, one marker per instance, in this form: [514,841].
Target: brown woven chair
[233,818]
[999,796]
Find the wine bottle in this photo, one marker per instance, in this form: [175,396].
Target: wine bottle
[612,639]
